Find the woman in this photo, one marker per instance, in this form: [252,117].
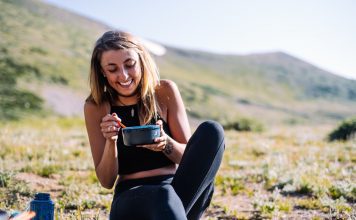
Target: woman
[125,87]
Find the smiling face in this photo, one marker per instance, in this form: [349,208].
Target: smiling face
[122,70]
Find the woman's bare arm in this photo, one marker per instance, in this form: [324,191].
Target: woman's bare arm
[177,120]
[103,149]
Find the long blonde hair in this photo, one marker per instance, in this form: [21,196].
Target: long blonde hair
[118,40]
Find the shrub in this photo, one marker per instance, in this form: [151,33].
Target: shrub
[13,103]
[244,124]
[5,179]
[345,131]
[309,204]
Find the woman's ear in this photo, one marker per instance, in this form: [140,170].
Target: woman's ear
[102,72]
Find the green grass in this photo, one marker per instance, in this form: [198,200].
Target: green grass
[280,172]
[55,149]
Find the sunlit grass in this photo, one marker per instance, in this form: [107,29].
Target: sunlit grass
[54,149]
[276,173]
[287,164]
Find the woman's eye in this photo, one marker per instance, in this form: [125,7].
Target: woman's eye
[111,70]
[130,65]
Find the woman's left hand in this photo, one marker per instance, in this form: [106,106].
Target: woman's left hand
[160,142]
[24,216]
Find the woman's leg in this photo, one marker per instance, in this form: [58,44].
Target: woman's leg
[194,179]
[147,202]
[202,203]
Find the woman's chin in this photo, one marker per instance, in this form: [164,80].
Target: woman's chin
[127,93]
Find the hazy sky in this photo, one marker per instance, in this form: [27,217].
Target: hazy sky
[322,32]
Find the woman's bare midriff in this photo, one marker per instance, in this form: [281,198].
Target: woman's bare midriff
[171,169]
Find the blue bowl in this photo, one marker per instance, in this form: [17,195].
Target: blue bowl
[137,135]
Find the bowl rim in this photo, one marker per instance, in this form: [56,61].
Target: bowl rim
[151,127]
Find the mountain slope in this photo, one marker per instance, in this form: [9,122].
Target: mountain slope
[45,51]
[56,42]
[273,86]
[39,45]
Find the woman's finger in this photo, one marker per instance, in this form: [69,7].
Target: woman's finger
[109,124]
[116,117]
[160,139]
[25,216]
[110,129]
[155,147]
[112,135]
[110,117]
[107,117]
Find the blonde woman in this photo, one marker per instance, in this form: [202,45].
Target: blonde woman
[125,88]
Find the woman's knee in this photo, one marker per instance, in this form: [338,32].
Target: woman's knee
[212,127]
[212,132]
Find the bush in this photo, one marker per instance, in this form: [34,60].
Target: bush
[345,131]
[244,124]
[13,103]
[5,179]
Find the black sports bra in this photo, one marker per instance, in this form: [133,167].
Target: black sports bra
[135,159]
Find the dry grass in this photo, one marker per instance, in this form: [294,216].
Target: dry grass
[284,172]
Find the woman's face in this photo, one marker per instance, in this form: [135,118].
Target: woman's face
[122,70]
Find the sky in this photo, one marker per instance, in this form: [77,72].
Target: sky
[321,32]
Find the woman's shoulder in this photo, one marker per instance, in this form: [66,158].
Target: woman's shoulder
[166,87]
[92,109]
[167,94]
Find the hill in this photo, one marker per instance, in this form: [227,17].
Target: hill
[44,60]
[270,87]
[41,47]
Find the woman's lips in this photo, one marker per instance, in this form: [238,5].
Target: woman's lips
[126,84]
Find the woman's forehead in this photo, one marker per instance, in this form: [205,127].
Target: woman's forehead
[118,56]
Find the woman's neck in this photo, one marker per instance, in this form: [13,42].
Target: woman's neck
[124,101]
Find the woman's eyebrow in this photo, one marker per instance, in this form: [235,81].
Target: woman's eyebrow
[127,60]
[110,64]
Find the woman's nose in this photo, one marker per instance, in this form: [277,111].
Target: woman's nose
[123,74]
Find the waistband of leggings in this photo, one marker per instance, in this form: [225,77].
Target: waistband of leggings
[124,185]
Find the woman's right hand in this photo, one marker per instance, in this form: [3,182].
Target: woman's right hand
[110,126]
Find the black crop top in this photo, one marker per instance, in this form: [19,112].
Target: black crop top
[135,159]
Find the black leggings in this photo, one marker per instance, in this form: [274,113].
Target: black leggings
[184,195]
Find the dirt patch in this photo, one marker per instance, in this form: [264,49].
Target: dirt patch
[63,100]
[41,184]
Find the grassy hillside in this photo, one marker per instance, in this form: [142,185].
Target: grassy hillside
[41,44]
[55,43]
[45,51]
[270,87]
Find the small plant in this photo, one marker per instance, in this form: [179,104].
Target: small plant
[5,179]
[345,131]
[284,206]
[305,189]
[244,124]
[88,204]
[229,185]
[343,189]
[309,204]
[48,170]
